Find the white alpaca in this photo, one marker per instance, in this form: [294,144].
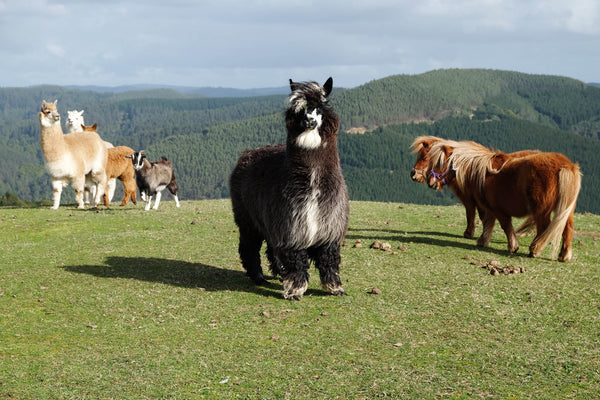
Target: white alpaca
[71,157]
[75,123]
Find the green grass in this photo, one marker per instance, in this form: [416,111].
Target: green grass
[124,303]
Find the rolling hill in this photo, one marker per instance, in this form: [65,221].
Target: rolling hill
[203,136]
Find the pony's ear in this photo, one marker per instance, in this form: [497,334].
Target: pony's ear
[293,85]
[328,86]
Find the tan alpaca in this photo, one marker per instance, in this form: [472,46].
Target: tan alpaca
[121,168]
[90,187]
[71,157]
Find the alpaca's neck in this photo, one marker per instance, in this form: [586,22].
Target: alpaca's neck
[324,158]
[53,141]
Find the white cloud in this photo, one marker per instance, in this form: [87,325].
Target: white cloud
[264,42]
[56,50]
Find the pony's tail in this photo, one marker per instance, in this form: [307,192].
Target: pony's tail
[569,184]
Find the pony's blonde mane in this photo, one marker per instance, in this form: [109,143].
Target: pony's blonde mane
[470,161]
[417,144]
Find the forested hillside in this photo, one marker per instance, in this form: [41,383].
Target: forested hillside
[204,136]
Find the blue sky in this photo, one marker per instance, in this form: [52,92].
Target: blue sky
[263,43]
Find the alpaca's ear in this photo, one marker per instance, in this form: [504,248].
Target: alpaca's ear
[55,101]
[328,86]
[95,125]
[293,85]
[83,127]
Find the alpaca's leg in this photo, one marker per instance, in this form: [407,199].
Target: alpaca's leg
[79,186]
[274,265]
[157,201]
[91,190]
[112,186]
[87,196]
[101,185]
[566,251]
[249,249]
[106,197]
[488,227]
[507,227]
[57,186]
[129,191]
[148,202]
[294,270]
[327,260]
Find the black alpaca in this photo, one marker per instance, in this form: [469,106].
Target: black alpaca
[294,196]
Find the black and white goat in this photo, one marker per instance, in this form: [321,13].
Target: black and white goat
[153,177]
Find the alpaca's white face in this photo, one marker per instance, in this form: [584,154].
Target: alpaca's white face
[49,115]
[310,138]
[75,120]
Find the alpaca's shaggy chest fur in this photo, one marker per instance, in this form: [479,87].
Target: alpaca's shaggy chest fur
[307,205]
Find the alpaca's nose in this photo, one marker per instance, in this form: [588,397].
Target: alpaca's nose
[312,124]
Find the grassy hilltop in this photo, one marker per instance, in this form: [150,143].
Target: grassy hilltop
[123,303]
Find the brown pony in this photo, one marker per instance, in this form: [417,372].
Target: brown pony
[422,174]
[536,185]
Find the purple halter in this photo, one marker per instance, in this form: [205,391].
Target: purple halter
[439,177]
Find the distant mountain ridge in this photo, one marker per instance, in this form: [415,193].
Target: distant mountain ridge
[203,136]
[187,90]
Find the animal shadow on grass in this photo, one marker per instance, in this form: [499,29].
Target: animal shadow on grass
[179,273]
[441,239]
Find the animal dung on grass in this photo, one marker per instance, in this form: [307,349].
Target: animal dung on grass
[293,196]
[381,246]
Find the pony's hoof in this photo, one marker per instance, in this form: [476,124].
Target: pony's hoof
[565,257]
[468,235]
